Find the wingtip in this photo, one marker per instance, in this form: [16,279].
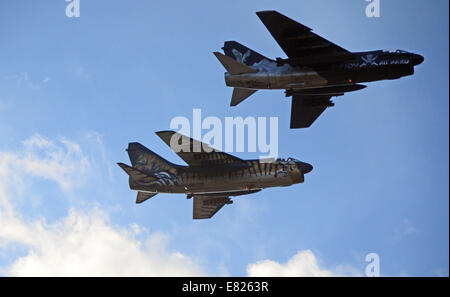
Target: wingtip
[134,145]
[261,12]
[164,132]
[218,55]
[272,18]
[123,166]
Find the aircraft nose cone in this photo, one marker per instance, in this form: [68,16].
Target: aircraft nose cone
[418,59]
[305,167]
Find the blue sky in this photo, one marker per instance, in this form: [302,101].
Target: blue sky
[75,91]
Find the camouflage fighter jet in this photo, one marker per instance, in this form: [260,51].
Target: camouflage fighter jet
[211,177]
[315,70]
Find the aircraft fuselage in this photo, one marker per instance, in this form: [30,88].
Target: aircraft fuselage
[225,178]
[356,68]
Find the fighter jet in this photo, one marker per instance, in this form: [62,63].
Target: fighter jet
[211,177]
[314,71]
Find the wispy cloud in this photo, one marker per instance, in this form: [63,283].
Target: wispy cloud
[63,162]
[81,72]
[405,228]
[23,79]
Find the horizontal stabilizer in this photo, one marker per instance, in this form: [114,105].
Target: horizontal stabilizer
[240,95]
[233,66]
[137,175]
[142,196]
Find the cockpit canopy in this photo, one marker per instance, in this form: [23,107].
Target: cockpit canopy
[290,161]
[396,51]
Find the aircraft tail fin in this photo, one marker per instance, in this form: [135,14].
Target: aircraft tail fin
[233,66]
[143,158]
[240,95]
[242,54]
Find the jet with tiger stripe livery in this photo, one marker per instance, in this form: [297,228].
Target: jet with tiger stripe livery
[211,177]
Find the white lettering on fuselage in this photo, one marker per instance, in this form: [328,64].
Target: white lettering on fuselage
[377,63]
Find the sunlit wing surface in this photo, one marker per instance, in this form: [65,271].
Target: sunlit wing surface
[196,153]
[207,206]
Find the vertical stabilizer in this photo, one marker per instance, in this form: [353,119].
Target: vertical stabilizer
[141,157]
[243,54]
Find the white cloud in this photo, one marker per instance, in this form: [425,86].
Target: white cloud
[84,242]
[64,163]
[304,263]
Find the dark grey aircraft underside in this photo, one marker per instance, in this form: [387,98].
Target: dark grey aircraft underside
[315,70]
[211,177]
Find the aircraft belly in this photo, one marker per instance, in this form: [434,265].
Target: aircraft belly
[267,80]
[248,81]
[304,79]
[216,187]
[238,182]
